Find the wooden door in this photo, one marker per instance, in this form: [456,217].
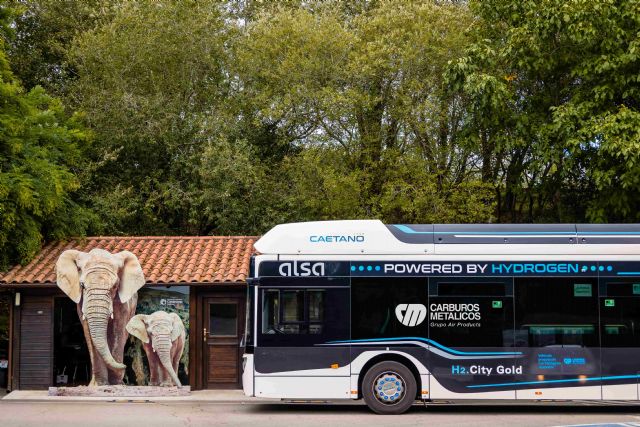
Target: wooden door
[222,332]
[36,343]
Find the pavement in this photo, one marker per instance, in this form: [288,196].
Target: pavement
[254,412]
[223,396]
[24,408]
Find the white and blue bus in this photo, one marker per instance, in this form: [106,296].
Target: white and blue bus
[398,313]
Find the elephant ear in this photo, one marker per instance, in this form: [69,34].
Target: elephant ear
[131,276]
[178,326]
[67,276]
[138,327]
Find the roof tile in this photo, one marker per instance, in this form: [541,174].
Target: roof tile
[164,260]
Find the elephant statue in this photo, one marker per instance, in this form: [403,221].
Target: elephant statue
[163,337]
[105,288]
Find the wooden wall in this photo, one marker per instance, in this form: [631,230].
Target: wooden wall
[32,337]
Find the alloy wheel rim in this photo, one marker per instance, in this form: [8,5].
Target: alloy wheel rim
[389,388]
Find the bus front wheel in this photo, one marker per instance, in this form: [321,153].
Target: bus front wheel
[389,388]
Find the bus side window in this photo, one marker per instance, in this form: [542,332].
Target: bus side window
[293,311]
[620,314]
[270,311]
[556,312]
[374,301]
[471,312]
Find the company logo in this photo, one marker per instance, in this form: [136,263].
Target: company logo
[301,269]
[339,238]
[411,314]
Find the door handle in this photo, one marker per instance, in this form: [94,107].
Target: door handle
[205,335]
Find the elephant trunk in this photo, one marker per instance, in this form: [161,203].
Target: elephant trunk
[162,346]
[98,310]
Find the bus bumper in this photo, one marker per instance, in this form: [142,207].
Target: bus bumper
[247,375]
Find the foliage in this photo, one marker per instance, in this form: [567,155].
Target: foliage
[559,80]
[364,93]
[227,117]
[219,137]
[44,30]
[40,148]
[150,82]
[410,193]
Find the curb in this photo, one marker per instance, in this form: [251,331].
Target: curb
[122,400]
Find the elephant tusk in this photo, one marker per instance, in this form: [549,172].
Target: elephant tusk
[112,315]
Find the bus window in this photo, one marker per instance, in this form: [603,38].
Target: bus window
[292,311]
[552,312]
[270,311]
[471,289]
[295,317]
[620,330]
[373,307]
[620,315]
[471,312]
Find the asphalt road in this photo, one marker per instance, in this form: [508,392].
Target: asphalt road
[68,414]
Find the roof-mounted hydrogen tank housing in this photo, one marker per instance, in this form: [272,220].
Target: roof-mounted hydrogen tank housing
[372,237]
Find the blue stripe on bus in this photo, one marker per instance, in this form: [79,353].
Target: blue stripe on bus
[409,230]
[604,233]
[435,344]
[569,380]
[628,273]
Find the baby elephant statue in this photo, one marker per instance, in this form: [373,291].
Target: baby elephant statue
[167,336]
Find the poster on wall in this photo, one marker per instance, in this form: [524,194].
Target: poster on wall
[157,305]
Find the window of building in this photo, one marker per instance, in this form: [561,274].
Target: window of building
[223,319]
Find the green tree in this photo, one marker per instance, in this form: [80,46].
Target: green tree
[152,83]
[364,85]
[308,111]
[44,31]
[40,151]
[553,93]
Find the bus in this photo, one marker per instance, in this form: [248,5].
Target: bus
[394,314]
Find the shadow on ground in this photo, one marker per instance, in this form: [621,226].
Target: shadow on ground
[543,407]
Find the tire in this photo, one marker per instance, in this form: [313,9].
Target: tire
[389,388]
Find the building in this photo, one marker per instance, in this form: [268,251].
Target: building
[201,278]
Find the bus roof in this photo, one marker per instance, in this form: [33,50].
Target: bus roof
[359,237]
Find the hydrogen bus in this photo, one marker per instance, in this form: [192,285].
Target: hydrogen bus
[397,313]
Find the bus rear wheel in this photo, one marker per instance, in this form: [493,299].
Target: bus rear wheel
[389,388]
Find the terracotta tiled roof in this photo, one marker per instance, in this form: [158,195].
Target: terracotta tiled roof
[164,260]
